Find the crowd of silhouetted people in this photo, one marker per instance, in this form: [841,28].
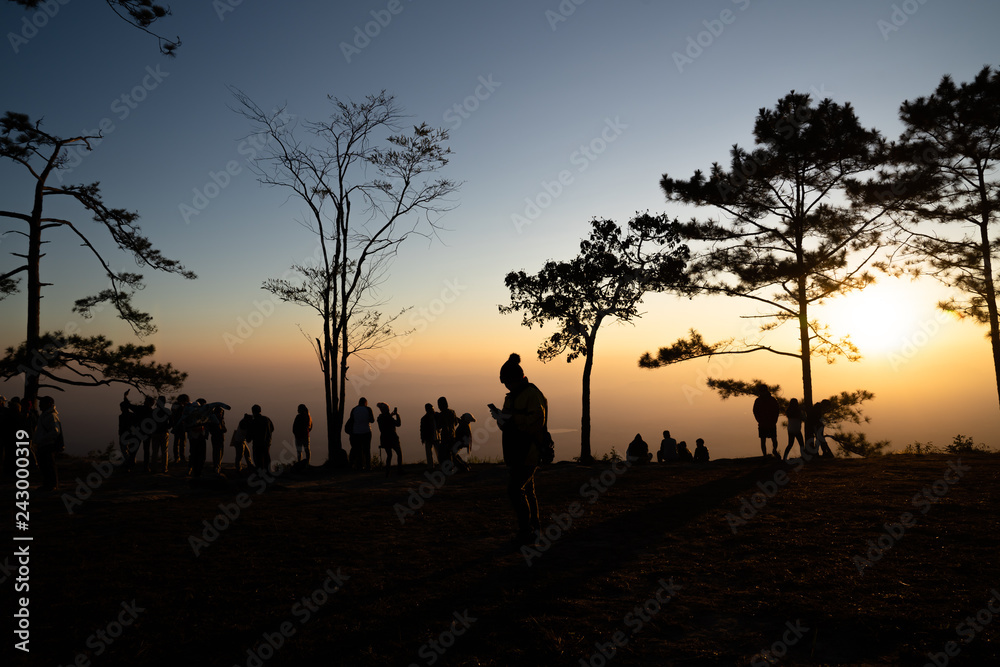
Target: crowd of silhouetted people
[670,451]
[766,410]
[40,424]
[813,417]
[183,432]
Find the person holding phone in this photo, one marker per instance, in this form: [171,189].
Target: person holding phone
[522,422]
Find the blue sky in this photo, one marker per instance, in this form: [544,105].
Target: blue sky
[612,95]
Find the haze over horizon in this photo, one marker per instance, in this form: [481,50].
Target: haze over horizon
[613,95]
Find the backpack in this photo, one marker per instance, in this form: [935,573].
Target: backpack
[547,447]
[547,450]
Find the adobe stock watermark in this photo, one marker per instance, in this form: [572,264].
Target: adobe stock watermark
[86,486]
[219,180]
[435,480]
[47,10]
[223,7]
[433,650]
[581,158]
[420,319]
[562,12]
[634,621]
[104,637]
[899,17]
[967,630]
[591,490]
[750,508]
[122,107]
[738,178]
[302,611]
[779,649]
[247,326]
[365,34]
[911,345]
[264,309]
[462,111]
[893,532]
[259,482]
[716,364]
[697,44]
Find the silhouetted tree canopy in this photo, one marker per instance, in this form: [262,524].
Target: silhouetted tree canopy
[785,240]
[139,13]
[90,361]
[41,154]
[607,279]
[944,170]
[792,231]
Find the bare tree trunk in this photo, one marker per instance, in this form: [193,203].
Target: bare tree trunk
[332,429]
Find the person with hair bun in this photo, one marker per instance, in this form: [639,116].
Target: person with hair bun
[523,423]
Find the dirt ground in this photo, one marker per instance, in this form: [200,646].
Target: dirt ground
[884,561]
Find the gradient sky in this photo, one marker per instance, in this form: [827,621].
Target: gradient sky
[557,81]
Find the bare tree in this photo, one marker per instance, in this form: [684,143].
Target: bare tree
[366,187]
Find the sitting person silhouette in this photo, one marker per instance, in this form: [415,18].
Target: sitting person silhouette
[638,451]
[668,449]
[700,451]
[683,453]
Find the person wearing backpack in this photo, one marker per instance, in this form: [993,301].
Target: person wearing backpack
[523,424]
[447,423]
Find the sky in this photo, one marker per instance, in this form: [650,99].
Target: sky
[611,94]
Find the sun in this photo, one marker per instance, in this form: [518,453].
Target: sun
[882,318]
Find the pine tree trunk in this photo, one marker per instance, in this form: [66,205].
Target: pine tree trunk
[991,294]
[35,359]
[807,394]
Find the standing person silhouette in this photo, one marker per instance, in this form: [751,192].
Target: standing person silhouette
[302,426]
[180,435]
[447,423]
[822,409]
[523,423]
[766,411]
[795,417]
[217,432]
[261,432]
[388,439]
[160,448]
[463,440]
[429,434]
[361,421]
[48,439]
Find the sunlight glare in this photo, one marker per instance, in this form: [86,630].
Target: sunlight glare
[881,318]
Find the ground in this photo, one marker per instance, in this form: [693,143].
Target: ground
[880,561]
